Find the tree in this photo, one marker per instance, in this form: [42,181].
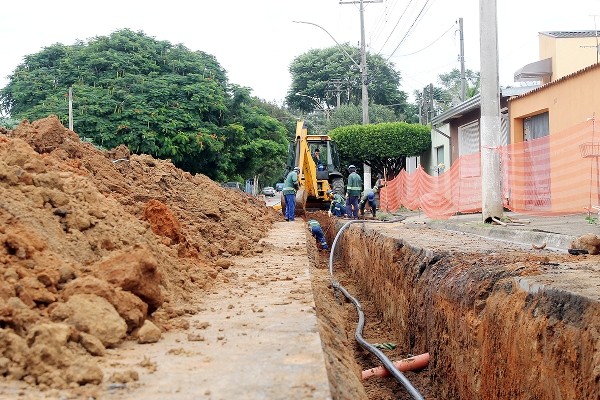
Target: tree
[451,84]
[384,147]
[154,97]
[313,72]
[351,114]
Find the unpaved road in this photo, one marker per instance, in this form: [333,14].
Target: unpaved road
[255,336]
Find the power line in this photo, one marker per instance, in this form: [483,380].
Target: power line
[429,45]
[395,26]
[417,19]
[379,26]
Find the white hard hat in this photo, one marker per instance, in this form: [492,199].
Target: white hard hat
[297,169]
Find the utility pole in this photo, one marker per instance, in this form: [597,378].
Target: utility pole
[463,80]
[364,77]
[70,107]
[337,84]
[431,112]
[491,182]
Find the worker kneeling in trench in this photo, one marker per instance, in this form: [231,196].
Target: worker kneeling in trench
[317,232]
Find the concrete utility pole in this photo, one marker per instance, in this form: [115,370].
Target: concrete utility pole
[70,107]
[463,79]
[491,177]
[364,77]
[337,84]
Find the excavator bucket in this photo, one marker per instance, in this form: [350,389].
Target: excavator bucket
[300,210]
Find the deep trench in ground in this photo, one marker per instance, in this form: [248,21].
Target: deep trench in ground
[499,321]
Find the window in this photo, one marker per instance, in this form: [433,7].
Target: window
[468,138]
[536,126]
[439,155]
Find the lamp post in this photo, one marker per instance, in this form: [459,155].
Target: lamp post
[362,67]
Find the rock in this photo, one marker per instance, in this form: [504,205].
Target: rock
[589,242]
[149,333]
[124,376]
[223,263]
[92,314]
[92,344]
[130,307]
[48,351]
[134,270]
[84,371]
[163,221]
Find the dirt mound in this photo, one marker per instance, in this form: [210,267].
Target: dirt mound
[93,243]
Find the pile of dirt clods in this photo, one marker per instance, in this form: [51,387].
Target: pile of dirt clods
[97,247]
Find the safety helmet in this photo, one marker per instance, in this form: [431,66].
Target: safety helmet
[329,192]
[297,169]
[371,195]
[351,166]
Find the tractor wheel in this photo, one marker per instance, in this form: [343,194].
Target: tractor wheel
[337,185]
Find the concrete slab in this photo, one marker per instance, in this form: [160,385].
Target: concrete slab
[556,231]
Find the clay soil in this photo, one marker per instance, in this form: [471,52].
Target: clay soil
[103,249]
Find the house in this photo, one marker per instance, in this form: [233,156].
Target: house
[561,53]
[455,132]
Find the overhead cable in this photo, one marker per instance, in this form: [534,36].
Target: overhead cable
[430,44]
[395,26]
[417,19]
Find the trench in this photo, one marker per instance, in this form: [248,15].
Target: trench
[493,328]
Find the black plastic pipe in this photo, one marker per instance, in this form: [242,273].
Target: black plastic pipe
[389,365]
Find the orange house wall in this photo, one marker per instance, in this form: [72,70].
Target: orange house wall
[569,102]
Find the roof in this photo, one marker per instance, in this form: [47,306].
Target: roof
[564,78]
[571,34]
[474,103]
[534,71]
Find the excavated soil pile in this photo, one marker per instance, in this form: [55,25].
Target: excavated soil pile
[99,246]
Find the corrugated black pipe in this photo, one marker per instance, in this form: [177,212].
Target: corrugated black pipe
[389,365]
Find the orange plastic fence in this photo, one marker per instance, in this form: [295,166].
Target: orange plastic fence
[556,174]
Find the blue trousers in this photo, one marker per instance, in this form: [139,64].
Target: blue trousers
[318,234]
[339,210]
[290,206]
[352,206]
[372,204]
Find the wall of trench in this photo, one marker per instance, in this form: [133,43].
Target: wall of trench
[490,336]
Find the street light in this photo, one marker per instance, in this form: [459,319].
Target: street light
[362,67]
[363,77]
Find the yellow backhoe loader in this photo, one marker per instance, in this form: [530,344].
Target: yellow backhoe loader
[318,173]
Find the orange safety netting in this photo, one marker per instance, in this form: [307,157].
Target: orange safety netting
[555,174]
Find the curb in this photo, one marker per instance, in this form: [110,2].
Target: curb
[554,241]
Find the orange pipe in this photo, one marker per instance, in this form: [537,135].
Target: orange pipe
[406,364]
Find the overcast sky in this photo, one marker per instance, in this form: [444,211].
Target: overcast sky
[255,41]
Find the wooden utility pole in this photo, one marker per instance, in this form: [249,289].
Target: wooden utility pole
[491,182]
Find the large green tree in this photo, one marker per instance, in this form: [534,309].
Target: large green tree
[351,114]
[384,147]
[155,97]
[315,72]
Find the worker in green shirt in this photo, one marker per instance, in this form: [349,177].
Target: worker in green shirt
[353,191]
[338,204]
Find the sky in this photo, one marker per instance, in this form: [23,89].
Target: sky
[256,41]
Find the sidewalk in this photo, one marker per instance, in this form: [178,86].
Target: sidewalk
[556,231]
